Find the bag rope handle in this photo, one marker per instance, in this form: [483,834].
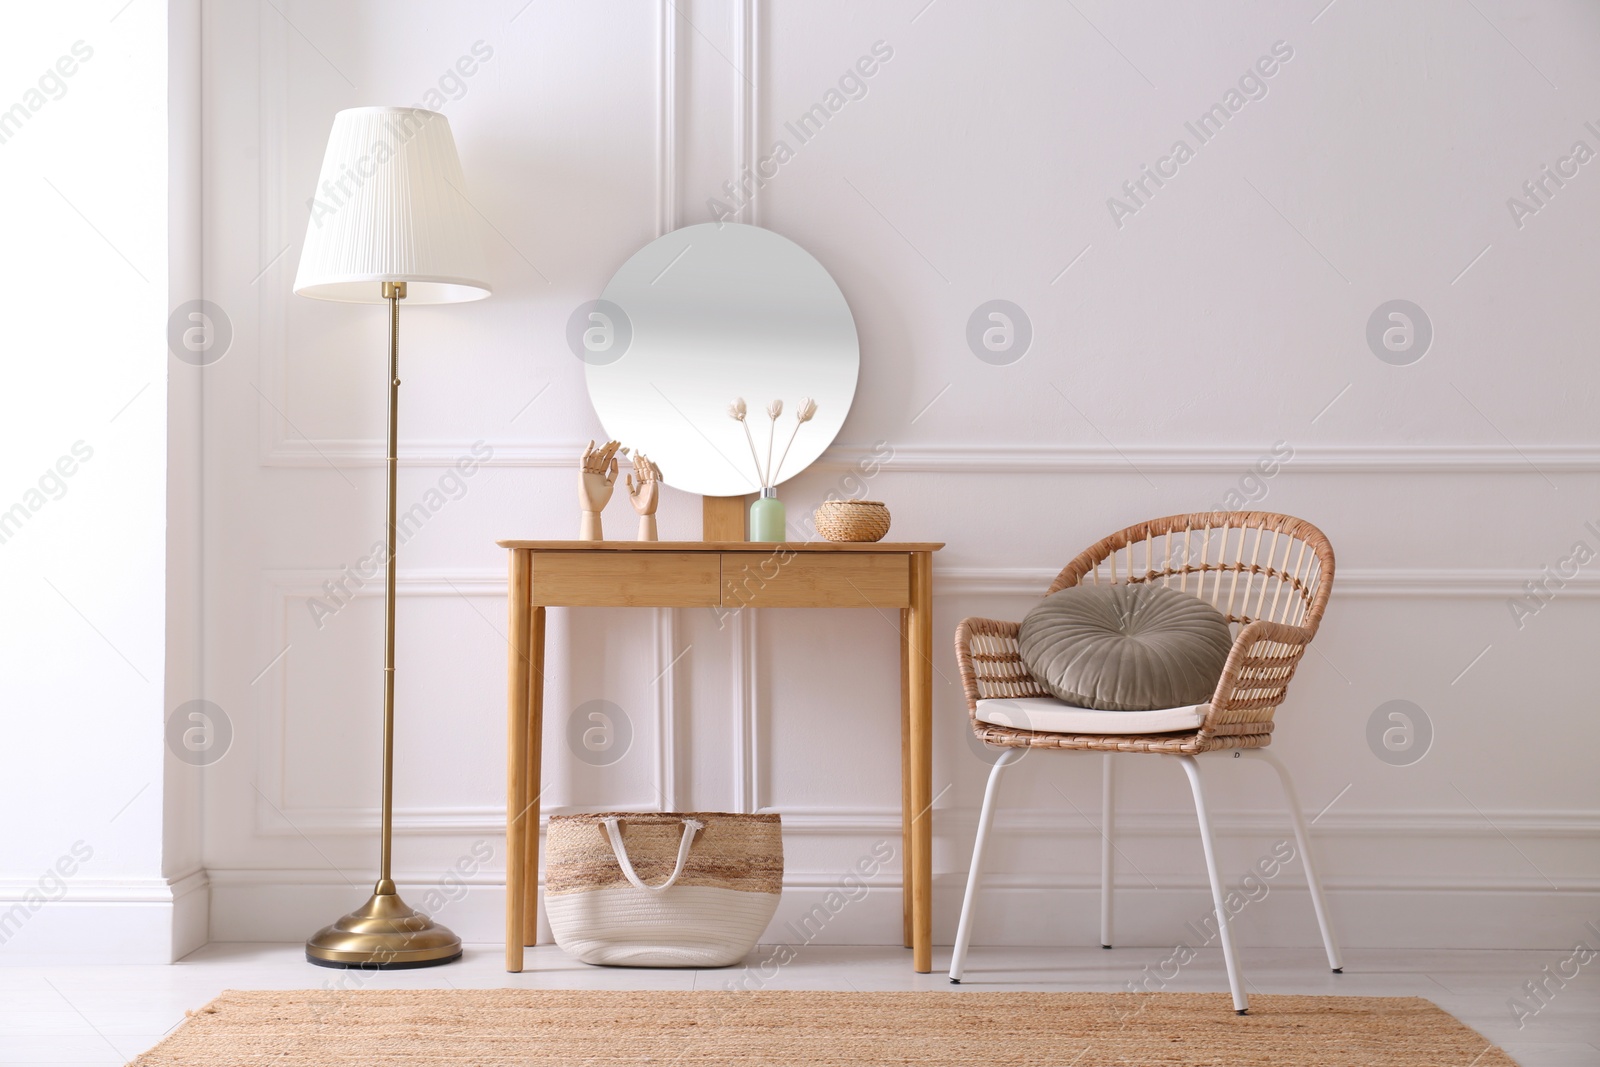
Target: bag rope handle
[618,849]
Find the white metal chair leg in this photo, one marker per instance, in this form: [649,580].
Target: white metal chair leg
[1108,830]
[1303,839]
[958,958]
[1241,1003]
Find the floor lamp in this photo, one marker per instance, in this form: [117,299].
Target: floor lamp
[389,222]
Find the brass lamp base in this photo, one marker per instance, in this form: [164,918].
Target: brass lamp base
[383,934]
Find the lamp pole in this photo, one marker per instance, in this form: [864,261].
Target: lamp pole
[385,933]
[394,292]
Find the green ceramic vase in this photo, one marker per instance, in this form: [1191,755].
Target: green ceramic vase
[766,517]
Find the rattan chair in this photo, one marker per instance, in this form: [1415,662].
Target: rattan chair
[1271,576]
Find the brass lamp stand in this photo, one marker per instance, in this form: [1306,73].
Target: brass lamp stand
[385,933]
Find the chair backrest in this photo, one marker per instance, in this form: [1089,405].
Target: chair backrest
[1249,564]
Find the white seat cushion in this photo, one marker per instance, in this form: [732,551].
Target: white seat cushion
[1048,715]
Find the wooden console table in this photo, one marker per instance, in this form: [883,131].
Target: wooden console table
[729,575]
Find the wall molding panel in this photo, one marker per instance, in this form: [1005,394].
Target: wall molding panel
[747,102]
[1532,461]
[667,105]
[281,444]
[745,698]
[274,232]
[277,814]
[669,761]
[955,458]
[1406,583]
[809,821]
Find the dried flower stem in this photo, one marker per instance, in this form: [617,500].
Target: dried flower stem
[772,432]
[802,415]
[753,457]
[736,412]
[792,435]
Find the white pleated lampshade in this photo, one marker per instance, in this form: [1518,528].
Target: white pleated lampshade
[391,206]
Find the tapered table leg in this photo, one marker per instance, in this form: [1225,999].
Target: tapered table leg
[530,866]
[920,653]
[906,810]
[518,679]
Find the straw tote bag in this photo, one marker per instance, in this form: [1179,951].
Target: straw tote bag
[658,889]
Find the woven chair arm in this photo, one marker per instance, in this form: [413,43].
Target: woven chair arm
[991,661]
[1266,629]
[1256,676]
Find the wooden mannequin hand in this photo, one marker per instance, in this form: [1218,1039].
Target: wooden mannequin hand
[645,491]
[597,477]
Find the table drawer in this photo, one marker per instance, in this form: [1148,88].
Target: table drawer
[625,579]
[780,579]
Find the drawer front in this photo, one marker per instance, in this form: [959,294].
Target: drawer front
[625,579]
[779,579]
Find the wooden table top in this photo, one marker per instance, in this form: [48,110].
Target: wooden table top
[725,546]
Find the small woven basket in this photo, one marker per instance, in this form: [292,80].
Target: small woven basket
[852,520]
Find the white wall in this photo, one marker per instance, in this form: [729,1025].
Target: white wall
[83,502]
[1222,319]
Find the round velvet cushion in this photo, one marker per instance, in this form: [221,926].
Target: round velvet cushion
[1131,647]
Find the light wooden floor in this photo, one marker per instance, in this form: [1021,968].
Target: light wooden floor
[106,1015]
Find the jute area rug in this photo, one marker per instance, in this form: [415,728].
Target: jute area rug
[501,1027]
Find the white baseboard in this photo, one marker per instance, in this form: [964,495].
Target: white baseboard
[156,921]
[71,931]
[191,914]
[135,920]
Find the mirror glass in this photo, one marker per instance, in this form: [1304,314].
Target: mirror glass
[699,317]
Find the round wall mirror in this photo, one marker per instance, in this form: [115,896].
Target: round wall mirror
[702,316]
